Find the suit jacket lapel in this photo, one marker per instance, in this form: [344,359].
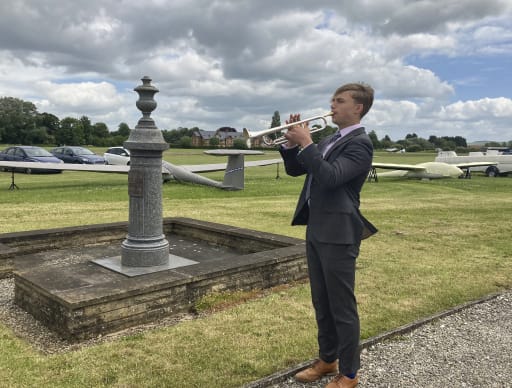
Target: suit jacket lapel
[343,140]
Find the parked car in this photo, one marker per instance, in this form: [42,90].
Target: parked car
[77,155]
[28,154]
[117,155]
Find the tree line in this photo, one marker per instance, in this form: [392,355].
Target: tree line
[21,123]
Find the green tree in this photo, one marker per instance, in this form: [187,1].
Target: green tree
[447,145]
[38,136]
[276,120]
[424,144]
[375,140]
[460,141]
[50,123]
[87,129]
[414,148]
[434,140]
[17,120]
[174,136]
[239,144]
[413,143]
[386,142]
[186,142]
[100,130]
[100,136]
[70,132]
[123,130]
[447,141]
[214,141]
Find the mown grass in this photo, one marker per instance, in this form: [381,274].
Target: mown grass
[440,243]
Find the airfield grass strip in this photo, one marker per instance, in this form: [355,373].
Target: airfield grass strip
[440,244]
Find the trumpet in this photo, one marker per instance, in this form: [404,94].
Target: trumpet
[250,135]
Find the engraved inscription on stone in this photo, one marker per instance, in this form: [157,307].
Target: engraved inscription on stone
[135,183]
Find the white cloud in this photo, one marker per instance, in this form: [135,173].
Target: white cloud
[100,96]
[482,109]
[418,44]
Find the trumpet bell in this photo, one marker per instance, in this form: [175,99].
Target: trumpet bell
[264,134]
[265,138]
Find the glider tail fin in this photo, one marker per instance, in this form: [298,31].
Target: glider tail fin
[234,174]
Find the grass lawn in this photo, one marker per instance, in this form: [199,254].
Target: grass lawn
[440,243]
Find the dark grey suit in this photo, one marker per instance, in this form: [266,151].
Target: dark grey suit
[329,206]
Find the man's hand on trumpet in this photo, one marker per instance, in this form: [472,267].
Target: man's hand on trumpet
[298,134]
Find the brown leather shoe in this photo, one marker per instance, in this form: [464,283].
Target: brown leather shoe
[341,381]
[315,372]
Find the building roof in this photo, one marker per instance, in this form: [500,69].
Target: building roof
[206,135]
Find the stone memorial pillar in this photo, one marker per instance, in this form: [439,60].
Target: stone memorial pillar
[145,245]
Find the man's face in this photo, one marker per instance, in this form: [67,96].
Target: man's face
[345,110]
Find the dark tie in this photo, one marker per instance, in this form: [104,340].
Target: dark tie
[330,143]
[334,137]
[326,148]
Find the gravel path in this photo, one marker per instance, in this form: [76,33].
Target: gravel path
[470,348]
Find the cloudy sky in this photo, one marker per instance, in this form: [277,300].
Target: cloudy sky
[439,68]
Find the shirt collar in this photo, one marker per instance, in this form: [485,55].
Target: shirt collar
[345,131]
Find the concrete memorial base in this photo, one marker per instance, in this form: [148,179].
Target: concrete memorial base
[58,281]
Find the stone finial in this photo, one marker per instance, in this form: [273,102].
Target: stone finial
[145,134]
[146,104]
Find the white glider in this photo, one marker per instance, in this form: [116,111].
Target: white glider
[428,170]
[233,177]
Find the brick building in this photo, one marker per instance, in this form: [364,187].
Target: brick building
[226,136]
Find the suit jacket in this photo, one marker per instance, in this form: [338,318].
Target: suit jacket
[329,201]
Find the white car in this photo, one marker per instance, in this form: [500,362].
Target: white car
[117,155]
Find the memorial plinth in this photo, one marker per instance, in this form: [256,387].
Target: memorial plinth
[57,283]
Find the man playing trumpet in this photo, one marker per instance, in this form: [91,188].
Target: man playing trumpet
[336,170]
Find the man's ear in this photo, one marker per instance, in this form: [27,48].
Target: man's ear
[359,109]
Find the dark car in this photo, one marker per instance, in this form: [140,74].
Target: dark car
[77,155]
[28,154]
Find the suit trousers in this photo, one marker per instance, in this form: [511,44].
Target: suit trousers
[332,279]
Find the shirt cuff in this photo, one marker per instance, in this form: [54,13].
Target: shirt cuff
[302,149]
[284,147]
